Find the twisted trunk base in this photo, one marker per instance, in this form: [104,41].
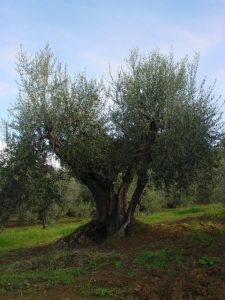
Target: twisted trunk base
[93,231]
[112,215]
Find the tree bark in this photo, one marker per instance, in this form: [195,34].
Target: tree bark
[43,219]
[110,210]
[112,214]
[135,200]
[145,160]
[122,195]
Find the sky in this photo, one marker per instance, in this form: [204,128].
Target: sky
[91,35]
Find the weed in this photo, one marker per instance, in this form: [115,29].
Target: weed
[86,289]
[22,280]
[109,292]
[103,292]
[158,259]
[118,264]
[120,292]
[206,260]
[133,273]
[98,259]
[193,224]
[151,259]
[205,237]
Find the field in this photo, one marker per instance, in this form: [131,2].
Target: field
[175,254]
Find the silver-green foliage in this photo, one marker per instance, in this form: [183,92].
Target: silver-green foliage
[158,88]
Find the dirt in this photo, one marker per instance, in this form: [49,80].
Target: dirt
[56,293]
[186,280]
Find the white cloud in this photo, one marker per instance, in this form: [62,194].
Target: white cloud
[202,36]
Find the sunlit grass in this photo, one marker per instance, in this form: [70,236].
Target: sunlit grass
[210,211]
[23,237]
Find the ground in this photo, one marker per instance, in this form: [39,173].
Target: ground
[173,255]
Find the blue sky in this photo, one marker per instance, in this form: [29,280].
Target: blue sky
[89,35]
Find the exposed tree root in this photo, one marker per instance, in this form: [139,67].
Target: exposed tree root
[92,231]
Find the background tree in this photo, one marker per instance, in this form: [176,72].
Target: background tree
[159,120]
[78,200]
[29,185]
[210,183]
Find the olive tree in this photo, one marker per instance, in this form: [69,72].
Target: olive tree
[152,118]
[29,185]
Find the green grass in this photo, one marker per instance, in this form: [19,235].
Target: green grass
[105,292]
[102,292]
[206,260]
[158,259]
[210,210]
[14,280]
[24,237]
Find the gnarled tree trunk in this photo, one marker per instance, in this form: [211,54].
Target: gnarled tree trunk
[113,212]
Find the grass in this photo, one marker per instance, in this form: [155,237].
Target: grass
[206,260]
[158,259]
[24,237]
[102,292]
[16,280]
[29,236]
[210,210]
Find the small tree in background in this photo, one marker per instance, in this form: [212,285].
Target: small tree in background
[29,185]
[215,180]
[160,120]
[78,200]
